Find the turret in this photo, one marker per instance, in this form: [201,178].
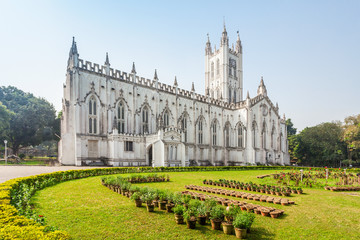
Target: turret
[73,60]
[208,46]
[262,89]
[133,71]
[238,44]
[107,64]
[156,80]
[224,38]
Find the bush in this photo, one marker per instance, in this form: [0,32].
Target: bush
[179,209]
[243,220]
[217,213]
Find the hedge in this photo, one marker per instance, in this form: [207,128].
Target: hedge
[18,221]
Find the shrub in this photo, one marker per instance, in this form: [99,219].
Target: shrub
[244,220]
[179,209]
[217,213]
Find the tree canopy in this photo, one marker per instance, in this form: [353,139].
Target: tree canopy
[32,120]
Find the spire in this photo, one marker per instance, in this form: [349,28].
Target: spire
[155,75]
[133,71]
[192,87]
[208,46]
[247,95]
[175,82]
[107,62]
[73,49]
[262,89]
[277,106]
[238,43]
[224,38]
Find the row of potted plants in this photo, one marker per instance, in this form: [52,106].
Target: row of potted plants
[255,197]
[342,188]
[186,209]
[264,211]
[154,177]
[250,186]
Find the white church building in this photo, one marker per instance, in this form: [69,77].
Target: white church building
[114,118]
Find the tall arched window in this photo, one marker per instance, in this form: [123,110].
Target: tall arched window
[166,119]
[254,134]
[145,120]
[212,70]
[272,137]
[214,133]
[263,134]
[227,135]
[281,142]
[184,127]
[229,95]
[121,117]
[240,136]
[200,131]
[234,96]
[92,116]
[217,67]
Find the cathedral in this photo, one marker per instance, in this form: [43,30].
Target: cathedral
[114,118]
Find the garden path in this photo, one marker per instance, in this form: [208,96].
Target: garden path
[10,172]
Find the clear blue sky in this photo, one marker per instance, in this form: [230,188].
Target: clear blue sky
[307,51]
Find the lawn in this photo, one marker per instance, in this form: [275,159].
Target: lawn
[88,210]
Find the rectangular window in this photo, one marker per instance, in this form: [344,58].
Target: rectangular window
[128,146]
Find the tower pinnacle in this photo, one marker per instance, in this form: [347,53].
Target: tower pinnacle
[107,62]
[133,71]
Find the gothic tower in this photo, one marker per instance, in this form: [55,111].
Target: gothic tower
[223,70]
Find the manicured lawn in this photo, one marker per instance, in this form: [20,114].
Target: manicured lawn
[88,210]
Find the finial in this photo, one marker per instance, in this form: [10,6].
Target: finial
[208,37]
[224,23]
[175,82]
[133,68]
[262,81]
[193,87]
[238,35]
[155,75]
[73,49]
[277,105]
[107,62]
[247,95]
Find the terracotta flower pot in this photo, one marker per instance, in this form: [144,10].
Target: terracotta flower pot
[191,223]
[228,228]
[179,219]
[201,220]
[138,202]
[240,233]
[169,207]
[150,207]
[274,214]
[162,205]
[265,212]
[215,224]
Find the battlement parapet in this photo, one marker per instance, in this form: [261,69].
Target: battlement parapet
[129,77]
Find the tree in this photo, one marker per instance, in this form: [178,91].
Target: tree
[320,145]
[33,120]
[352,137]
[290,127]
[5,116]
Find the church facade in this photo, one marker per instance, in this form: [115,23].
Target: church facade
[114,118]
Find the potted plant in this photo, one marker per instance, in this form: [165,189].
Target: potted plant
[201,210]
[137,198]
[241,223]
[190,217]
[162,200]
[228,227]
[216,217]
[179,211]
[186,200]
[148,198]
[170,203]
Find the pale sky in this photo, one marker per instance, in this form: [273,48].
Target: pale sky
[307,51]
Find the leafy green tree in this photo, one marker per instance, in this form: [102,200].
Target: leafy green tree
[33,121]
[5,116]
[352,137]
[320,145]
[290,127]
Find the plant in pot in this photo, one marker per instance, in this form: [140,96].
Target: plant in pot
[186,200]
[137,198]
[241,223]
[190,217]
[162,200]
[209,204]
[179,211]
[201,209]
[134,189]
[170,203]
[228,227]
[216,217]
[148,198]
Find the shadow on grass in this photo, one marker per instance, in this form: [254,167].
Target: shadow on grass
[260,233]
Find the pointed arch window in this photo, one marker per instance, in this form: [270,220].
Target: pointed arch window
[166,119]
[121,117]
[212,70]
[234,96]
[263,134]
[229,95]
[200,131]
[214,133]
[92,116]
[184,127]
[217,67]
[240,141]
[281,142]
[272,137]
[227,135]
[145,120]
[254,135]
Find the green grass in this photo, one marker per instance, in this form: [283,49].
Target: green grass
[88,210]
